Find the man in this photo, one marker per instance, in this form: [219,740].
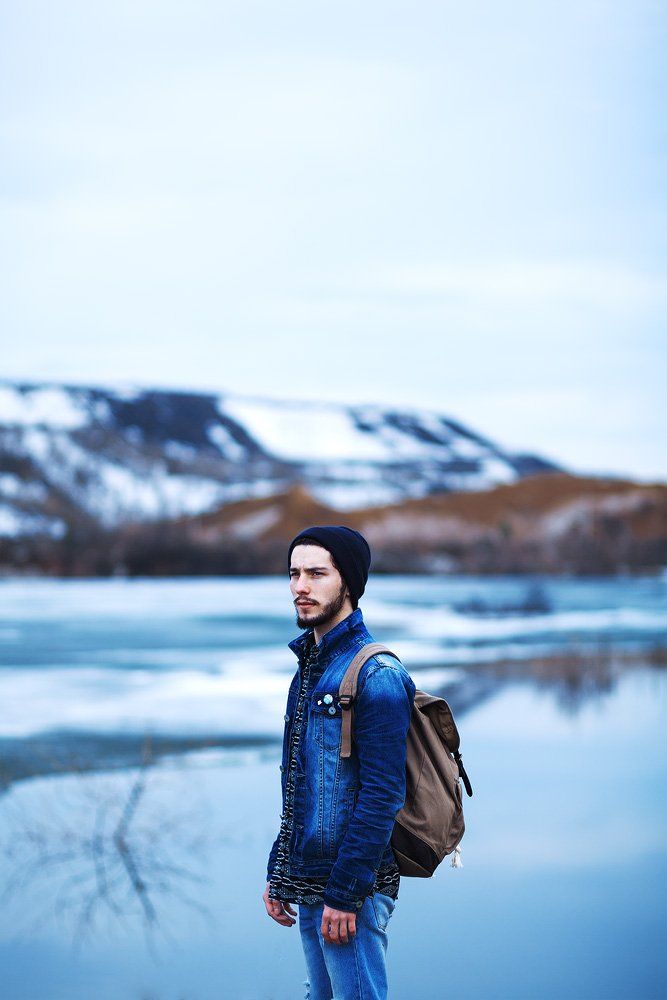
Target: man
[332,855]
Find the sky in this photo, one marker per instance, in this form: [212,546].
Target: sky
[423,204]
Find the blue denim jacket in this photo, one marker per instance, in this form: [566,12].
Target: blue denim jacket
[344,808]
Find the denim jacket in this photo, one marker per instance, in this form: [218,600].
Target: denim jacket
[344,808]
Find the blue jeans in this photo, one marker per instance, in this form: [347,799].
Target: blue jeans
[353,971]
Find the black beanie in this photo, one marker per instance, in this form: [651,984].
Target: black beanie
[350,550]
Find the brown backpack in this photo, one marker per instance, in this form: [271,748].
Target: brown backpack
[430,824]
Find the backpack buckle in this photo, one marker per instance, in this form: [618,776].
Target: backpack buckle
[345,701]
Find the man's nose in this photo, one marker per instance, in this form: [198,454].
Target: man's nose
[301,582]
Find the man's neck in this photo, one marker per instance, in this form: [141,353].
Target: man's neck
[320,630]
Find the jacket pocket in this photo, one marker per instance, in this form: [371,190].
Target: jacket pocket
[327,727]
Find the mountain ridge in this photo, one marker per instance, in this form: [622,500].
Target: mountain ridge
[124,454]
[98,480]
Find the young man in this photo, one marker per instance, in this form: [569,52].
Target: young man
[332,855]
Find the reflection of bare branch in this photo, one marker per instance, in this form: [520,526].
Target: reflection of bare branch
[120,840]
[108,853]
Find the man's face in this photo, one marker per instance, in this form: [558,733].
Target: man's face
[318,589]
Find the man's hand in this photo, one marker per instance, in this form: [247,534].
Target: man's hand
[278,910]
[338,926]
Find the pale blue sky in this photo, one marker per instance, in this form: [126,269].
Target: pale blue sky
[459,206]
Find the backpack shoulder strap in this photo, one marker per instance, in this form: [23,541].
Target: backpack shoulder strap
[347,691]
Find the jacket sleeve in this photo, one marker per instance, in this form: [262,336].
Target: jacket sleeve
[381,721]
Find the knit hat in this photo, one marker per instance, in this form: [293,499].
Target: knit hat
[349,549]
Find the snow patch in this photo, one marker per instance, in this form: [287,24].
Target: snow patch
[221,437]
[352,496]
[14,523]
[296,432]
[256,523]
[13,486]
[52,406]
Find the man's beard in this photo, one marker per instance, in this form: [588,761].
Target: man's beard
[327,611]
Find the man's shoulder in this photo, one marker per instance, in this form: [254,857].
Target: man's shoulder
[385,660]
[381,662]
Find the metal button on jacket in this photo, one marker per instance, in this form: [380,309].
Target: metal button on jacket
[286,717]
[332,710]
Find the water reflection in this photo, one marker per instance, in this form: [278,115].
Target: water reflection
[94,848]
[66,752]
[574,676]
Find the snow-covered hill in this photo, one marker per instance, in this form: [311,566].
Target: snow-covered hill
[107,456]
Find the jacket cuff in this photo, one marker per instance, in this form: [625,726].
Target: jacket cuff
[342,904]
[345,891]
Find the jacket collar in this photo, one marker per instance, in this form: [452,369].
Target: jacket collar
[335,640]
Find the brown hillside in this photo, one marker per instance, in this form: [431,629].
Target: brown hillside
[549,523]
[533,494]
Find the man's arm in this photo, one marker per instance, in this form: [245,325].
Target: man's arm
[382,714]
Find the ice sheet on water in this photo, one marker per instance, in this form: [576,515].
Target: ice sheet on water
[120,701]
[446,624]
[55,600]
